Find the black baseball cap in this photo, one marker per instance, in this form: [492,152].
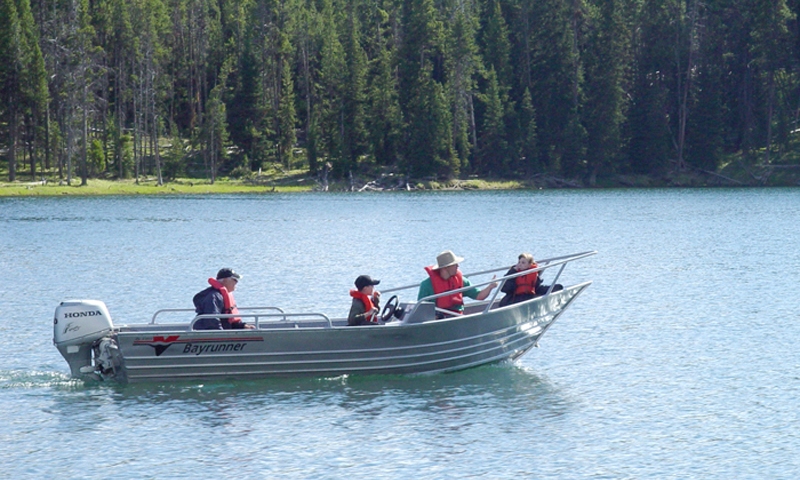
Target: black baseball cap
[228,272]
[365,281]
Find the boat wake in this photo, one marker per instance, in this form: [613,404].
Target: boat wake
[32,379]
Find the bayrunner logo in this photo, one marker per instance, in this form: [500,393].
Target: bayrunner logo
[196,346]
[220,347]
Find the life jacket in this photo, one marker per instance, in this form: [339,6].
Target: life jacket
[227,299]
[367,304]
[526,284]
[453,302]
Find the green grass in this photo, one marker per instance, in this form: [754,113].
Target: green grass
[274,179]
[148,187]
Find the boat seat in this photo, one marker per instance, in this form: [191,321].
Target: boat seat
[425,311]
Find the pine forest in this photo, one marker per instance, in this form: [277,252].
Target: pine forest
[429,88]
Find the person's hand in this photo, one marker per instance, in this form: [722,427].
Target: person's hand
[376,295]
[373,311]
[247,326]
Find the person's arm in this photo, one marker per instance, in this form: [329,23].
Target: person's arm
[476,294]
[486,291]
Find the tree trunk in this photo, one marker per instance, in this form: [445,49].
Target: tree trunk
[47,138]
[85,135]
[770,112]
[12,147]
[32,147]
[685,87]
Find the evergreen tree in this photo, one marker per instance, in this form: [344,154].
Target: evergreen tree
[383,110]
[492,146]
[771,47]
[286,114]
[604,107]
[429,147]
[495,43]
[119,48]
[10,79]
[420,70]
[555,81]
[496,49]
[247,112]
[463,65]
[34,84]
[332,75]
[354,90]
[528,139]
[647,128]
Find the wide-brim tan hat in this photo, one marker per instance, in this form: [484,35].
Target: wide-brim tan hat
[447,258]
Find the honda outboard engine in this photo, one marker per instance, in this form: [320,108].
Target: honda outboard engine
[77,325]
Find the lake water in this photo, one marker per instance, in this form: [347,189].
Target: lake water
[680,361]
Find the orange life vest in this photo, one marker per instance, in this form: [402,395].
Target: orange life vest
[455,301]
[367,304]
[227,300]
[526,284]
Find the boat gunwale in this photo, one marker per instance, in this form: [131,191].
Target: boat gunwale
[514,341]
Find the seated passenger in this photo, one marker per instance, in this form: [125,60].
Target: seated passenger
[524,287]
[444,277]
[366,302]
[218,299]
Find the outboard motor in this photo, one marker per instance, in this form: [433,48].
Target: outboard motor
[77,325]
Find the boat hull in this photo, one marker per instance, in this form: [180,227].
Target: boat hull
[167,353]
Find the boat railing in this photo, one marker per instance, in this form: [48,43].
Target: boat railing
[271,318]
[183,310]
[545,264]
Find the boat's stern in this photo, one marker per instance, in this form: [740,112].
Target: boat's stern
[77,325]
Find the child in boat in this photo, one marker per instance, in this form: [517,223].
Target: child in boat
[524,287]
[366,302]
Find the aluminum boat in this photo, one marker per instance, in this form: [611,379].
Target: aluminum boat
[287,344]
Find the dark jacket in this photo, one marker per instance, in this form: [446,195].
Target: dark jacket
[209,302]
[511,285]
[358,312]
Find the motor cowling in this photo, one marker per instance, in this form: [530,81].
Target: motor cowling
[80,321]
[77,325]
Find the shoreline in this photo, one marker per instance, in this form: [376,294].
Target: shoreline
[387,182]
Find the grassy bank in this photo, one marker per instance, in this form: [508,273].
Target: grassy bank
[734,174]
[224,185]
[147,187]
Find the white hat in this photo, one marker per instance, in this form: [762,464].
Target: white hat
[447,258]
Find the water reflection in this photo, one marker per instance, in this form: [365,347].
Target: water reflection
[504,386]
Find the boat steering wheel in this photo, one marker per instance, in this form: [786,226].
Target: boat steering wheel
[389,308]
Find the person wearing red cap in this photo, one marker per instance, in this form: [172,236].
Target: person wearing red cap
[366,302]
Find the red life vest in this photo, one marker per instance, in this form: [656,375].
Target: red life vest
[227,300]
[526,284]
[455,301]
[367,304]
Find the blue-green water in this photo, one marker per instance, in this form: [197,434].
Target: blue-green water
[680,361]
